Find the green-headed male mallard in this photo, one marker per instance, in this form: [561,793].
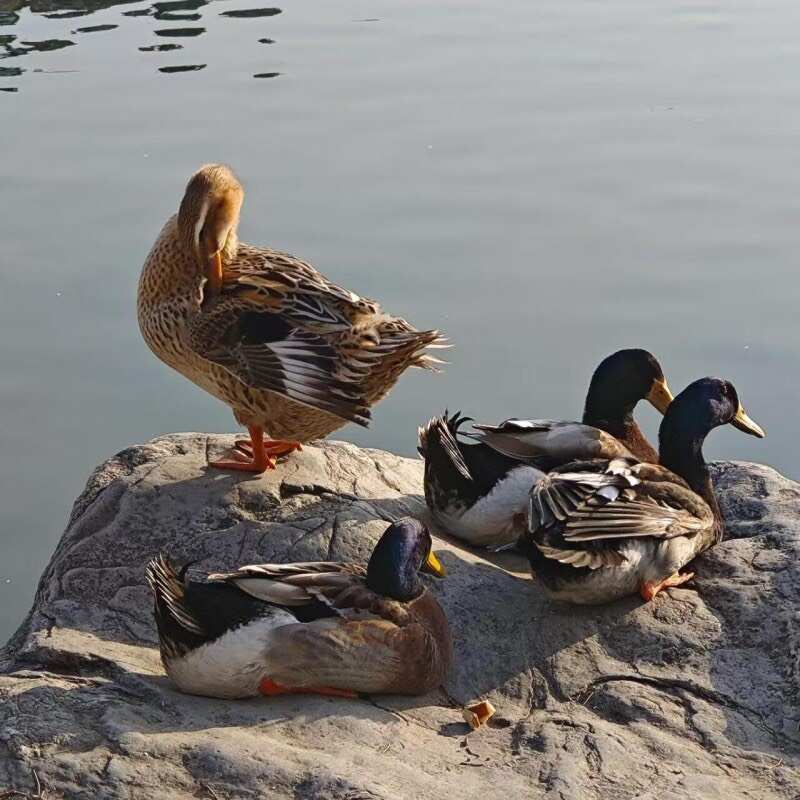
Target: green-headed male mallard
[315,627]
[294,355]
[602,529]
[478,492]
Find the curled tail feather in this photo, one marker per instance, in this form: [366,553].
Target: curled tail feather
[438,443]
[169,592]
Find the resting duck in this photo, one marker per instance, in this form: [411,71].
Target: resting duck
[603,529]
[479,492]
[292,354]
[314,627]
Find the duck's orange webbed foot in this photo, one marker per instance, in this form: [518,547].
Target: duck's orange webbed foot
[648,590]
[256,460]
[274,448]
[270,688]
[242,465]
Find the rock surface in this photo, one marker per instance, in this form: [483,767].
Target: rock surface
[692,696]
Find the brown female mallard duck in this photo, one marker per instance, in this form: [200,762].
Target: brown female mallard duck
[294,355]
[478,492]
[315,627]
[602,529]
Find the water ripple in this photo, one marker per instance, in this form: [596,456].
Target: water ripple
[95,28]
[247,13]
[182,68]
[67,14]
[180,32]
[175,11]
[161,48]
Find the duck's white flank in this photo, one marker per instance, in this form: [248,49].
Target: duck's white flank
[233,665]
[646,559]
[491,520]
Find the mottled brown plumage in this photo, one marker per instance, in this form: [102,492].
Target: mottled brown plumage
[375,645]
[291,353]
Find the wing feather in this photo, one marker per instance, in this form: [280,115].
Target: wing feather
[296,364]
[613,503]
[297,584]
[529,439]
[583,558]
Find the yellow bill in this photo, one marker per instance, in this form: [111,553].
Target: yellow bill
[744,423]
[659,395]
[433,565]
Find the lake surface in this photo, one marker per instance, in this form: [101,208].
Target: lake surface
[544,181]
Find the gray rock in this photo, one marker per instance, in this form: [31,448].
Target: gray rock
[692,696]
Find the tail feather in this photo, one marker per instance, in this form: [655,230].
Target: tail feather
[400,348]
[169,591]
[438,438]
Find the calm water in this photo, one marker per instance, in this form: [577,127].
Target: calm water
[545,181]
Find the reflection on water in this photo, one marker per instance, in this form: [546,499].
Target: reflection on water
[161,48]
[251,12]
[44,46]
[95,28]
[67,14]
[165,15]
[24,15]
[184,68]
[180,32]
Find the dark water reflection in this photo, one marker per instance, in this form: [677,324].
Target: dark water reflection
[45,46]
[95,28]
[246,13]
[161,48]
[183,68]
[180,32]
[24,15]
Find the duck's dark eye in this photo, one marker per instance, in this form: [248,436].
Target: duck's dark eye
[730,393]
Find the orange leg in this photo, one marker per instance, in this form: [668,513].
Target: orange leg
[269,688]
[649,590]
[273,447]
[259,459]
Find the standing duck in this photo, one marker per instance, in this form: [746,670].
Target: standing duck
[478,492]
[294,355]
[602,529]
[314,627]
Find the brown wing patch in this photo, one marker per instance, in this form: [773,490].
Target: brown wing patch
[402,648]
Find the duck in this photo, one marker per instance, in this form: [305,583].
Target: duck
[602,529]
[325,627]
[477,491]
[294,355]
